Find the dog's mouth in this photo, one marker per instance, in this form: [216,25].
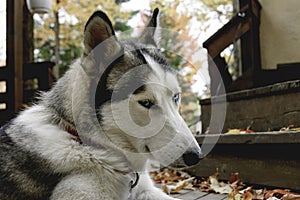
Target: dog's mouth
[186,160]
[147,149]
[178,165]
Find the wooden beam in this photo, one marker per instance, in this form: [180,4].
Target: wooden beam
[260,158]
[28,26]
[273,107]
[15,50]
[272,172]
[234,29]
[18,53]
[240,24]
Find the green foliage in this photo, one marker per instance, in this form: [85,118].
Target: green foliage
[121,26]
[171,48]
[46,52]
[68,55]
[71,34]
[73,15]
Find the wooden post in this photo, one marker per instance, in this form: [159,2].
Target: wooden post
[15,50]
[28,26]
[57,44]
[250,48]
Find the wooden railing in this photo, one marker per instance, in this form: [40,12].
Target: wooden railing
[7,102]
[36,77]
[244,26]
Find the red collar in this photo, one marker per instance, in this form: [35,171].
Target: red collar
[74,133]
[76,137]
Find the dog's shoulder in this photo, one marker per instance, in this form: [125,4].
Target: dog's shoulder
[24,174]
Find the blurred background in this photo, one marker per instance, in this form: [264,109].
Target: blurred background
[57,36]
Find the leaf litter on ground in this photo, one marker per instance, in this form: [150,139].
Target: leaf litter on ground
[173,181]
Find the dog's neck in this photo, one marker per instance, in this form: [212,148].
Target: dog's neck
[60,99]
[68,99]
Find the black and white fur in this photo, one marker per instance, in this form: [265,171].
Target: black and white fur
[78,141]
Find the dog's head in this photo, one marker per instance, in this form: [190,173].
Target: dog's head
[138,95]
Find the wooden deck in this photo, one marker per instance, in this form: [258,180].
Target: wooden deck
[196,195]
[193,195]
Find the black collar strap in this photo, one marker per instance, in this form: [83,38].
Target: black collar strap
[133,184]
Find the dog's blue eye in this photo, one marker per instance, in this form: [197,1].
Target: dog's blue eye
[176,98]
[146,103]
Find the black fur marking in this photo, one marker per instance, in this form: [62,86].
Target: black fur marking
[153,52]
[134,85]
[103,16]
[139,56]
[158,57]
[154,17]
[30,168]
[140,89]
[103,94]
[148,34]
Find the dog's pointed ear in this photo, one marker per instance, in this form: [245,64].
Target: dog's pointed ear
[152,32]
[97,30]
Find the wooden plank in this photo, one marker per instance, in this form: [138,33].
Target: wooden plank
[262,170]
[254,138]
[181,192]
[191,195]
[286,87]
[240,24]
[259,158]
[196,194]
[255,107]
[270,112]
[213,197]
[225,36]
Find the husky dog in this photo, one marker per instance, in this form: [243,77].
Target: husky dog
[91,135]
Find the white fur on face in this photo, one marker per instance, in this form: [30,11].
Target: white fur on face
[174,138]
[160,129]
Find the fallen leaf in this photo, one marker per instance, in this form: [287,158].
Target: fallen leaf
[289,128]
[219,187]
[173,181]
[291,197]
[233,131]
[173,189]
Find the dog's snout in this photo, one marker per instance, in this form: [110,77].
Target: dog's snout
[192,157]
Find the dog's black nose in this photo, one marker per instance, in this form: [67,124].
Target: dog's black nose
[192,157]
